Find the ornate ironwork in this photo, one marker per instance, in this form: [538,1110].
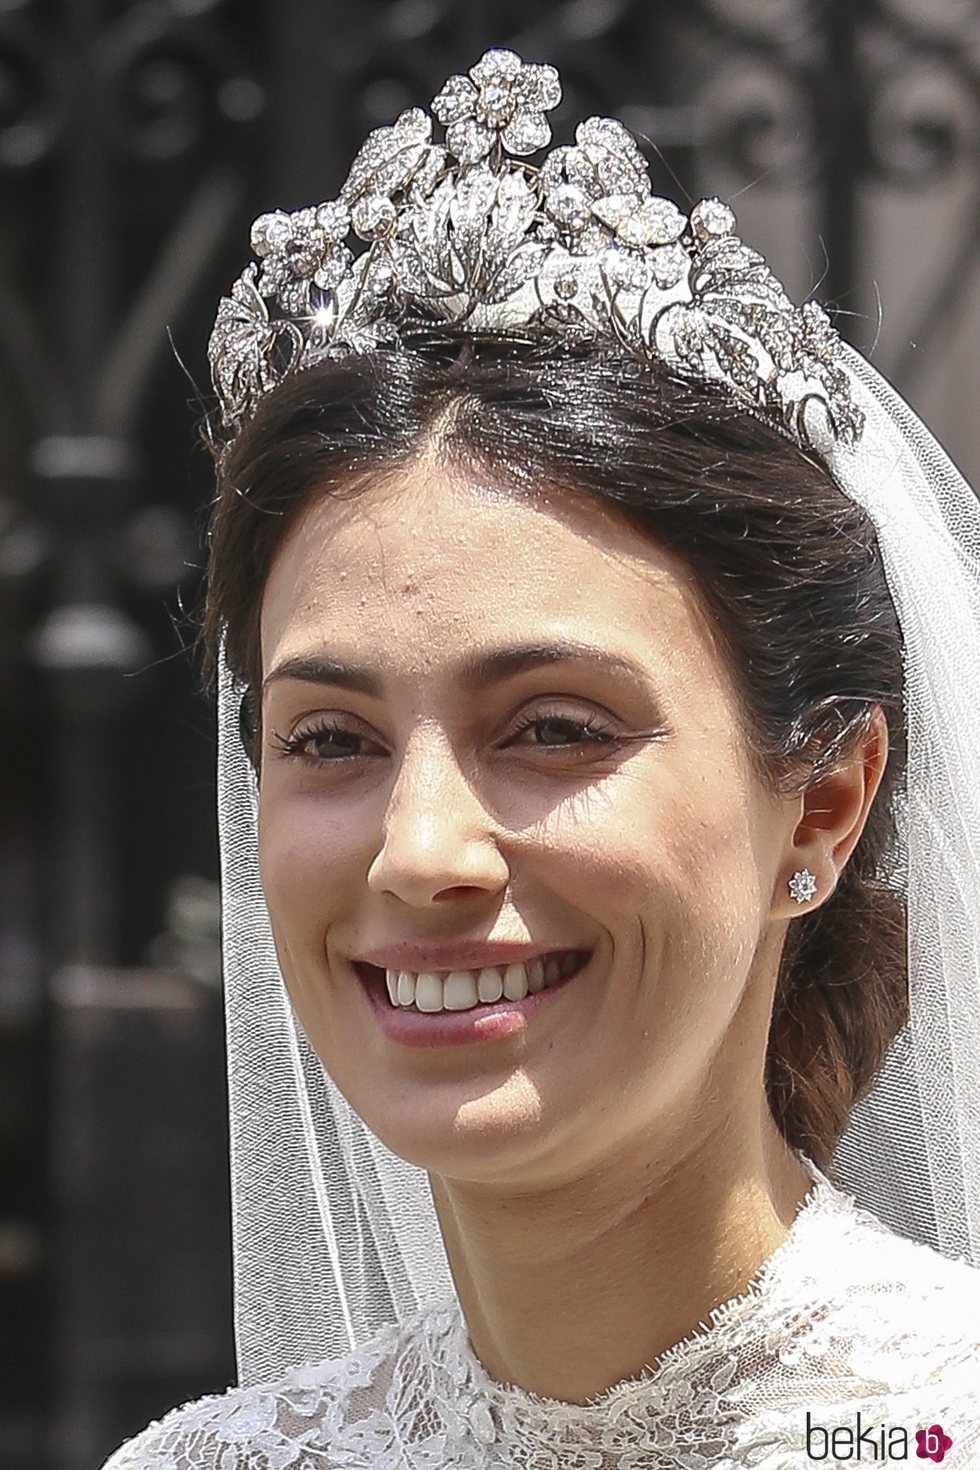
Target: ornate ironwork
[858,99]
[123,141]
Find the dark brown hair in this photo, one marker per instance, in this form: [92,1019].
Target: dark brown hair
[787,565]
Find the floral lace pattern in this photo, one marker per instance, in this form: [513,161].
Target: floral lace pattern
[846,1324]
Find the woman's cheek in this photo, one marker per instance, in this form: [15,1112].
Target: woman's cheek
[305,850]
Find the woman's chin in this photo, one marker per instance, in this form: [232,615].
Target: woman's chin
[476,1137]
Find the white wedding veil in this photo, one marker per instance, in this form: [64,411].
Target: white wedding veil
[335,1236]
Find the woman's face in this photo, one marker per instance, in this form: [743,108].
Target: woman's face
[428,816]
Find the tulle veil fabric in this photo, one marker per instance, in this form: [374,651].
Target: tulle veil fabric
[334,1235]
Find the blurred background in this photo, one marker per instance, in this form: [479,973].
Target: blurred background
[137,143]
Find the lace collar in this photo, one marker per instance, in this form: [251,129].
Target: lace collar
[495,1411]
[845,1315]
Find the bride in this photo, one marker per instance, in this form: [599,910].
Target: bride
[596,640]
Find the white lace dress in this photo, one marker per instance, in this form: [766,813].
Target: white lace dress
[851,1343]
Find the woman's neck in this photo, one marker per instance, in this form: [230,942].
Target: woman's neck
[570,1290]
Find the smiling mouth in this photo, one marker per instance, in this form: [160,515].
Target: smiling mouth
[461,990]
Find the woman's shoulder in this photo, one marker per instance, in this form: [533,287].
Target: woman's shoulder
[309,1411]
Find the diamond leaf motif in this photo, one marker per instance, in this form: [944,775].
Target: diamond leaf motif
[431,230]
[512,215]
[241,345]
[735,358]
[519,267]
[474,198]
[618,164]
[469,140]
[570,165]
[409,270]
[428,173]
[389,156]
[373,214]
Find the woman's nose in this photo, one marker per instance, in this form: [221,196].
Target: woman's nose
[437,834]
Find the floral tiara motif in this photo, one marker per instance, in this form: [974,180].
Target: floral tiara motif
[462,236]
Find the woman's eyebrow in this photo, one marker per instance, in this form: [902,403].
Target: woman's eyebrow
[475,671]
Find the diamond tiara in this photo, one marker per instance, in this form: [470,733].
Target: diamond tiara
[461,235]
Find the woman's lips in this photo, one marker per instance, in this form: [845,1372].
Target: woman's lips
[487,1021]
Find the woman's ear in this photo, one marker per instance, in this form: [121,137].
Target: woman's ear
[833,811]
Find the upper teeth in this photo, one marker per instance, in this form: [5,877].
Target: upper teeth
[458,990]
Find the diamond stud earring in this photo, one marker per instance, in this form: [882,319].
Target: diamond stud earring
[803,885]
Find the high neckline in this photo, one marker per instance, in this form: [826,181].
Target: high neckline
[737,1309]
[846,1317]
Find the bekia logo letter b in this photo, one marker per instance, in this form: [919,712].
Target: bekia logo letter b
[932,1443]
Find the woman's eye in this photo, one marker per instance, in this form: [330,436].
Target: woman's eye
[575,732]
[327,743]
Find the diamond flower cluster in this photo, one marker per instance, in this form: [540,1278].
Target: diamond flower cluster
[464,235]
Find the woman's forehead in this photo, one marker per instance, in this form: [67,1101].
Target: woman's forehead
[445,530]
[431,564]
